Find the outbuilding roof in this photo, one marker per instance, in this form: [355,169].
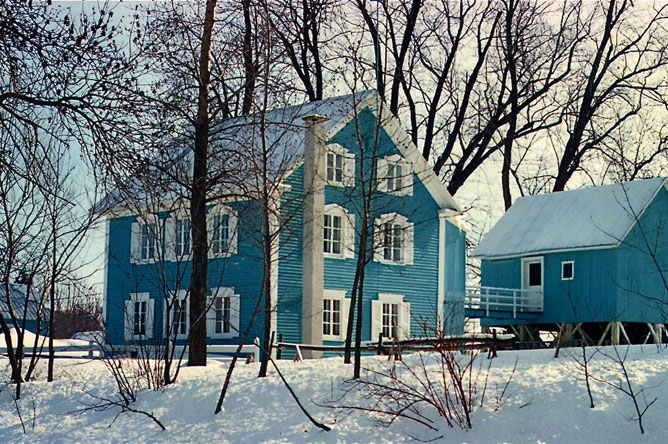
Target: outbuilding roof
[19,305]
[578,219]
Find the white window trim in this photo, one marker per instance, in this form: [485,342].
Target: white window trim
[407,239]
[233,243]
[128,314]
[382,168]
[404,324]
[531,260]
[181,295]
[347,231]
[235,313]
[135,239]
[339,295]
[348,166]
[171,232]
[572,270]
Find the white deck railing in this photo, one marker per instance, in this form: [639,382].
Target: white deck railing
[491,299]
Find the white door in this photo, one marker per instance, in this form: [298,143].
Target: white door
[532,281]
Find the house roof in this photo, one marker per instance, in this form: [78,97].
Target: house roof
[579,219]
[18,294]
[284,138]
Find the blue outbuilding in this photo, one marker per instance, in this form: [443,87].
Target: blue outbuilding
[591,264]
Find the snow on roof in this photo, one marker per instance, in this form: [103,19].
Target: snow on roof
[584,218]
[18,298]
[282,132]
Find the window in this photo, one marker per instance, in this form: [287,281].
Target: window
[390,316]
[395,175]
[222,318]
[338,232]
[220,238]
[567,270]
[535,274]
[221,308]
[332,234]
[334,167]
[183,237]
[393,239]
[138,317]
[339,166]
[331,317]
[222,227]
[145,240]
[148,241]
[392,234]
[390,320]
[179,325]
[335,307]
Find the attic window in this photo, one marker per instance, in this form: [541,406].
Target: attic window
[567,270]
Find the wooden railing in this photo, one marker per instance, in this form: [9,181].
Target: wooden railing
[494,299]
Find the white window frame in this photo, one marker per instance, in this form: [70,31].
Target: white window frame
[233,230]
[182,297]
[136,239]
[347,240]
[129,316]
[383,167]
[234,313]
[572,263]
[403,327]
[344,307]
[406,242]
[347,166]
[172,235]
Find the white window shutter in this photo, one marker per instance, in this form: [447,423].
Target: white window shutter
[349,170]
[135,243]
[378,240]
[405,320]
[234,233]
[170,238]
[349,242]
[150,318]
[409,241]
[129,319]
[376,319]
[210,318]
[209,233]
[381,171]
[345,311]
[235,314]
[407,179]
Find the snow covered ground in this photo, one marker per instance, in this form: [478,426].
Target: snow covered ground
[544,403]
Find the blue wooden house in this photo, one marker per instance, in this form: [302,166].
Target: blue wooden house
[591,263]
[320,152]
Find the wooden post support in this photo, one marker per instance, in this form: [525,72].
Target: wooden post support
[279,350]
[614,333]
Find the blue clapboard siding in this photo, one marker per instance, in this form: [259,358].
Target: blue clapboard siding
[610,284]
[242,271]
[417,282]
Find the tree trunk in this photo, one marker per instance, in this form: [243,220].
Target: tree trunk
[198,279]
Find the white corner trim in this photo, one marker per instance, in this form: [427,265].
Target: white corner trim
[441,273]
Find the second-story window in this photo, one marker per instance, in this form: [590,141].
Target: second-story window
[220,239]
[392,234]
[183,237]
[393,239]
[332,234]
[395,175]
[339,166]
[148,241]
